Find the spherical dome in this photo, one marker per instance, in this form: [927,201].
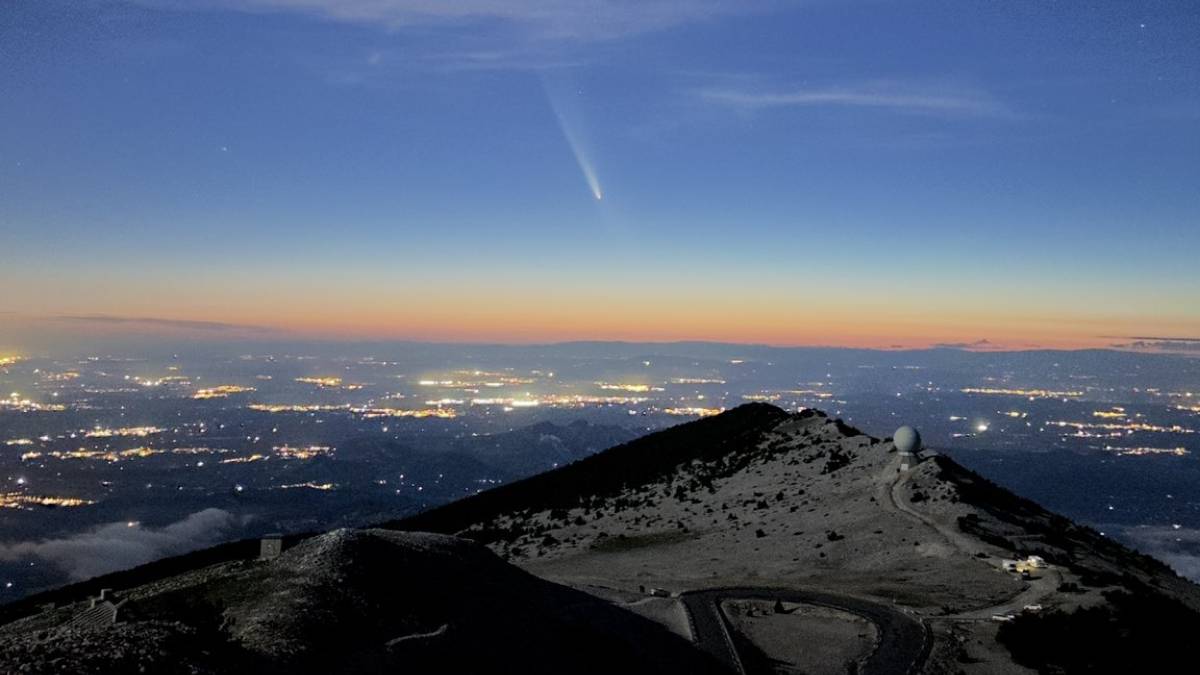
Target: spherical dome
[906,439]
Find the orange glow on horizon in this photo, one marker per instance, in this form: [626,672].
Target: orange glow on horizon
[737,327]
[544,315]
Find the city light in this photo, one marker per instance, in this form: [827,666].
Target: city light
[1027,393]
[694,412]
[223,391]
[323,382]
[19,500]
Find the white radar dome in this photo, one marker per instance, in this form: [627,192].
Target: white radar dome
[907,440]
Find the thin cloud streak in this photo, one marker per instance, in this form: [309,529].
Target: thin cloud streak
[1151,338]
[550,19]
[889,96]
[156,321]
[526,59]
[976,345]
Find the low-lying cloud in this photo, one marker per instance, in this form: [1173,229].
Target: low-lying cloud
[118,546]
[1160,344]
[1179,548]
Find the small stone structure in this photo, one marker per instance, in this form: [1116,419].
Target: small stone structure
[270,547]
[101,612]
[99,598]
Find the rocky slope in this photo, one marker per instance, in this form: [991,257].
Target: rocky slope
[760,498]
[755,540]
[353,601]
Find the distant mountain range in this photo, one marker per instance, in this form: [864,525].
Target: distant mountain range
[755,541]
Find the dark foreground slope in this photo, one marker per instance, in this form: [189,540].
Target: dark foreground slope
[726,511]
[1147,619]
[355,601]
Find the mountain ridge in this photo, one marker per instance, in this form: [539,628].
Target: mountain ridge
[611,469]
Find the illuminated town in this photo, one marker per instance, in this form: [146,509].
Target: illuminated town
[1031,394]
[223,391]
[20,500]
[298,442]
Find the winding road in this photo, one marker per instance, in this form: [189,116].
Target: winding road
[1037,589]
[903,639]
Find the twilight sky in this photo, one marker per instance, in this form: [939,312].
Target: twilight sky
[869,173]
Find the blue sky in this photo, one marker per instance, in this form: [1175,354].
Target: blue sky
[989,170]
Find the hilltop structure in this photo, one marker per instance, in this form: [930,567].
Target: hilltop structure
[908,444]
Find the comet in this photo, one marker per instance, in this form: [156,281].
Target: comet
[581,158]
[578,148]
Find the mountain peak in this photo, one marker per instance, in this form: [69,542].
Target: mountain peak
[758,499]
[766,538]
[641,461]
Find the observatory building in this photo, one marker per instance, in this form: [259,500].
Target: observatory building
[908,444]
